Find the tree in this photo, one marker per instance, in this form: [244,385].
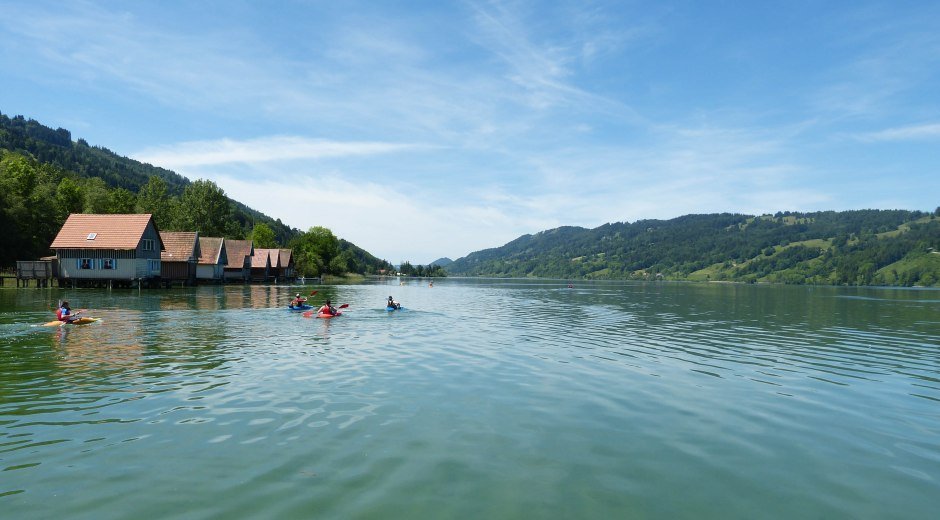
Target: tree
[20,174]
[204,208]
[406,268]
[15,178]
[154,199]
[315,251]
[97,198]
[121,201]
[263,236]
[339,264]
[69,198]
[28,213]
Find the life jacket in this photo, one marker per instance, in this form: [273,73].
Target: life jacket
[59,316]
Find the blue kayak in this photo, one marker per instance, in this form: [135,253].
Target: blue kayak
[303,307]
[390,308]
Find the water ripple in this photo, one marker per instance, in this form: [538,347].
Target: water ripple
[596,401]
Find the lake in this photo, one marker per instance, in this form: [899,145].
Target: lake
[482,399]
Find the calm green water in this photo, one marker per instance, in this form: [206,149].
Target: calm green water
[484,399]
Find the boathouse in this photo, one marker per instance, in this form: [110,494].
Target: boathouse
[179,256]
[94,249]
[264,263]
[238,265]
[287,270]
[212,259]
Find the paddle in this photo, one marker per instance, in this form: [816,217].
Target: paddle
[76,313]
[304,300]
[310,313]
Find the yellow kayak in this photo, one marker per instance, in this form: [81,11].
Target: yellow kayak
[79,321]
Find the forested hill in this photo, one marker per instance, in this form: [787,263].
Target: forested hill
[865,247]
[57,152]
[45,176]
[56,148]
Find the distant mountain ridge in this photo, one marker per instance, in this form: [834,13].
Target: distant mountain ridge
[443,262]
[863,247]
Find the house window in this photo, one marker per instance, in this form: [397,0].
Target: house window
[147,244]
[86,263]
[154,265]
[108,263]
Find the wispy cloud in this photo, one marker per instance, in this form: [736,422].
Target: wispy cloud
[543,68]
[478,121]
[389,221]
[126,58]
[930,131]
[264,149]
[883,62]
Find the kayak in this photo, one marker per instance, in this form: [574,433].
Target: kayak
[327,316]
[389,308]
[79,321]
[303,307]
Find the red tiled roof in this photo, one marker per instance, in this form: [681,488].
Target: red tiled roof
[274,256]
[210,249]
[285,255]
[180,245]
[92,231]
[237,250]
[262,257]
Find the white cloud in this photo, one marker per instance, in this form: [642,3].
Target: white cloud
[386,221]
[437,139]
[903,133]
[262,149]
[543,72]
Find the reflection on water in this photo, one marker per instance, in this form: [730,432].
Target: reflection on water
[485,398]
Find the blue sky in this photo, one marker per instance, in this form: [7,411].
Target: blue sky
[425,129]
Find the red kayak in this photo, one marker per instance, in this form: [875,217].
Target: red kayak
[309,314]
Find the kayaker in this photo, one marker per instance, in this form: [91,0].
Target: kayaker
[298,301]
[392,303]
[64,313]
[327,309]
